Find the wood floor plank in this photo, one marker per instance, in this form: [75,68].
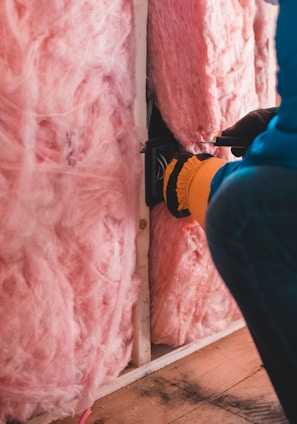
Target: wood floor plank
[254,399]
[219,366]
[151,400]
[221,383]
[207,413]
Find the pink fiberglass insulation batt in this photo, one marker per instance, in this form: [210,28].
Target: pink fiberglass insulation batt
[68,166]
[208,63]
[208,66]
[189,301]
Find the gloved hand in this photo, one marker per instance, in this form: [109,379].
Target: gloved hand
[249,127]
[186,185]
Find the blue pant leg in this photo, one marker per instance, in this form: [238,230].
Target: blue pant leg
[251,226]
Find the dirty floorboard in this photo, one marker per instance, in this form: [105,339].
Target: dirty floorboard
[223,383]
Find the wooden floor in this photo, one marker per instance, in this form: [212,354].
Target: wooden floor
[223,383]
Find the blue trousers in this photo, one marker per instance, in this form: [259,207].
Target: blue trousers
[251,226]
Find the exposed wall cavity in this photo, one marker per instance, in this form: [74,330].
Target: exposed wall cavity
[209,64]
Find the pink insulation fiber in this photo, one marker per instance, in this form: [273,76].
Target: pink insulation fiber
[209,63]
[69,166]
[189,300]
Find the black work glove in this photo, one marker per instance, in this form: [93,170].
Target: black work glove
[249,127]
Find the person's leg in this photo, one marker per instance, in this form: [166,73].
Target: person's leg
[251,226]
